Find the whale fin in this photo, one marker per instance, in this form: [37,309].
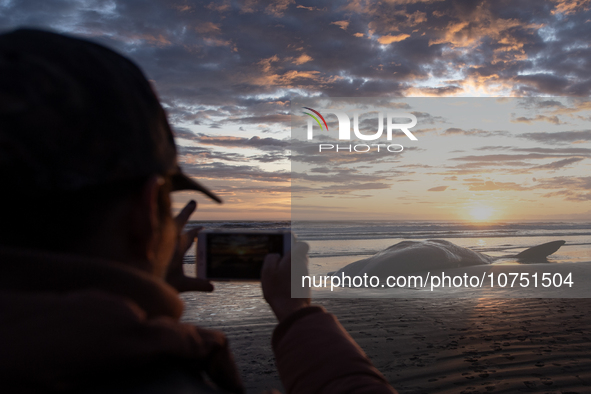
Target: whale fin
[540,251]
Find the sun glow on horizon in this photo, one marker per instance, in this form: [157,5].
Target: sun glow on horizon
[481,212]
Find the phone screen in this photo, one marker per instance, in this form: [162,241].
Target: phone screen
[240,256]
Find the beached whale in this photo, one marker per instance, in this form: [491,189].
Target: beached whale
[434,254]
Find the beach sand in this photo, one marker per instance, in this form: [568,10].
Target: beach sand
[425,345]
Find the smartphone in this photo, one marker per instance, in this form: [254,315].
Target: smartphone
[239,254]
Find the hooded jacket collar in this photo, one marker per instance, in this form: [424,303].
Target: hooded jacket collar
[40,271]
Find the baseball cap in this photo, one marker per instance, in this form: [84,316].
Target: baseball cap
[75,114]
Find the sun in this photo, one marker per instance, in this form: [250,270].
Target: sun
[481,212]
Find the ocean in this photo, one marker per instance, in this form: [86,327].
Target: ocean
[336,244]
[353,240]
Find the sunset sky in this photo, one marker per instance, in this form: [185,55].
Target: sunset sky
[475,159]
[226,72]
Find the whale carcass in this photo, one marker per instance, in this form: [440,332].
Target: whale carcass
[434,254]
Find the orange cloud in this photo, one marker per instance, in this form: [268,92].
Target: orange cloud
[389,39]
[571,6]
[302,59]
[272,75]
[468,33]
[342,24]
[266,63]
[278,7]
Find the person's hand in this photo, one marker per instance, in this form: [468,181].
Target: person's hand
[175,275]
[277,281]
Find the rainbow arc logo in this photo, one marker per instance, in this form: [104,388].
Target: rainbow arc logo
[315,118]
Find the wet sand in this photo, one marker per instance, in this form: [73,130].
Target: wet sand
[426,345]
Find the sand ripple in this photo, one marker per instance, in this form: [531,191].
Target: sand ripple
[424,345]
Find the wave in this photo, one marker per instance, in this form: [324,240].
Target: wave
[237,225]
[423,230]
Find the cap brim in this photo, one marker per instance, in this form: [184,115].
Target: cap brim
[182,182]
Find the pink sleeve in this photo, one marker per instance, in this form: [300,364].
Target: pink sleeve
[315,354]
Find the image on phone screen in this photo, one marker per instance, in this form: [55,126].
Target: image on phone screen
[240,256]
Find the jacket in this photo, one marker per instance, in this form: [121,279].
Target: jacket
[70,323]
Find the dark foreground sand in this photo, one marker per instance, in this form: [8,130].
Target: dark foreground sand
[428,346]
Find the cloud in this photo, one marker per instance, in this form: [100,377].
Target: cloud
[494,186]
[449,90]
[266,119]
[352,187]
[278,7]
[539,118]
[342,24]
[238,64]
[425,117]
[208,27]
[269,158]
[571,182]
[211,52]
[219,170]
[502,157]
[520,159]
[570,7]
[194,155]
[303,58]
[497,147]
[576,189]
[539,103]
[237,142]
[541,82]
[219,6]
[475,132]
[438,189]
[389,39]
[569,195]
[555,151]
[340,177]
[558,164]
[562,137]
